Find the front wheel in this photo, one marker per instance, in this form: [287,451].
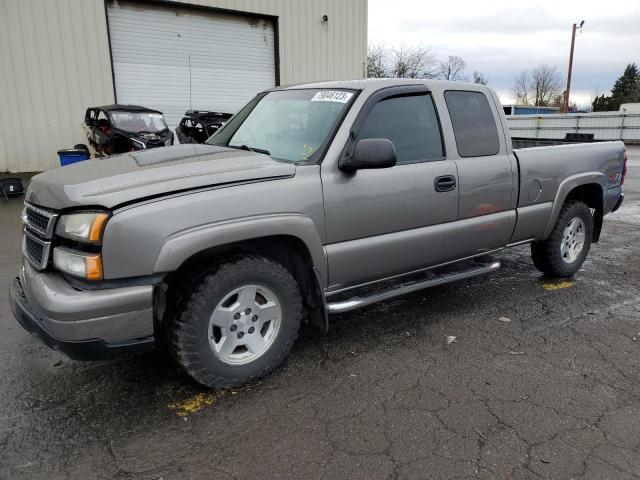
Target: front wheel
[564,252]
[238,322]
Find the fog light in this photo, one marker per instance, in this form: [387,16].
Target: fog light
[84,265]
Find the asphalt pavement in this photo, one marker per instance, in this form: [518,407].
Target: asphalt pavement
[542,380]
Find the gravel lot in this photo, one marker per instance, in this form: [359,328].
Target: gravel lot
[552,393]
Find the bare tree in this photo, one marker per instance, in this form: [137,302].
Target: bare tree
[453,69]
[413,62]
[478,77]
[378,61]
[558,101]
[520,88]
[545,85]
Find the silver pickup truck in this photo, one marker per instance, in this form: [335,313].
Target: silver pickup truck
[312,200]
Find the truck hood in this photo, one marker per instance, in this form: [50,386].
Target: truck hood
[120,179]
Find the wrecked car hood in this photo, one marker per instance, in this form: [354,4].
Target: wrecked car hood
[120,179]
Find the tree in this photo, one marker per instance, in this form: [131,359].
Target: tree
[545,85]
[604,104]
[595,94]
[413,62]
[452,69]
[626,89]
[478,77]
[377,61]
[540,87]
[520,88]
[558,101]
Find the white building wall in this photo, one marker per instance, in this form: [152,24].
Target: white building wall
[55,62]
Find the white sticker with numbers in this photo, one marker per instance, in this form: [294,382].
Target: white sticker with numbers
[332,96]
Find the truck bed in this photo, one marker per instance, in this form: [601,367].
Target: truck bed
[549,169]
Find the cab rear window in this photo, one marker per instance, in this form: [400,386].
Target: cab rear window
[473,123]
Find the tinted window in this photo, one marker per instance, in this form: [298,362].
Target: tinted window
[410,123]
[473,123]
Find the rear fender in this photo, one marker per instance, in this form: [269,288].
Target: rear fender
[565,189]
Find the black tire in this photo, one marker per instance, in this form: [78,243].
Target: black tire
[547,256]
[81,146]
[190,329]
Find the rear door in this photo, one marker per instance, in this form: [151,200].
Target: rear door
[487,173]
[380,223]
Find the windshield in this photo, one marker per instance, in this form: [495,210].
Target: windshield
[137,122]
[290,125]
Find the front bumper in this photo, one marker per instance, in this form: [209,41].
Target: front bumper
[84,325]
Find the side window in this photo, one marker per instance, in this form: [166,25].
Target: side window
[473,124]
[411,123]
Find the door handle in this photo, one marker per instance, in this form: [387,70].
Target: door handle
[445,183]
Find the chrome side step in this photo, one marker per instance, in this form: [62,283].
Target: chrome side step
[358,302]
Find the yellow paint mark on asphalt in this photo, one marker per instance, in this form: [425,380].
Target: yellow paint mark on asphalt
[553,286]
[196,403]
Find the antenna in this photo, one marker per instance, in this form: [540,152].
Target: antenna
[190,104]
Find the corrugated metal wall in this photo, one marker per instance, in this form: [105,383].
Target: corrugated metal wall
[603,125]
[54,63]
[310,49]
[206,59]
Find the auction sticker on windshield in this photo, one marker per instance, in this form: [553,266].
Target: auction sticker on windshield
[332,96]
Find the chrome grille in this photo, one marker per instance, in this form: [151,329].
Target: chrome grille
[40,220]
[39,224]
[35,250]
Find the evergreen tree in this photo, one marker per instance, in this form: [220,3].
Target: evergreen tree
[626,89]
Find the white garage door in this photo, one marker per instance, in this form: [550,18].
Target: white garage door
[174,58]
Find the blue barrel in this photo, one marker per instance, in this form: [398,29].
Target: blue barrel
[72,155]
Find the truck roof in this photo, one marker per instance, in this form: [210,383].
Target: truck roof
[378,83]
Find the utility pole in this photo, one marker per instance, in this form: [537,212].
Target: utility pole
[565,107]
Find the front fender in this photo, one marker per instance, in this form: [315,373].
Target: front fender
[182,245]
[566,186]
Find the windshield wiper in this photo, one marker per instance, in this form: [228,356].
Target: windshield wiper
[250,149]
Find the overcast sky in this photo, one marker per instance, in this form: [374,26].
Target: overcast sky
[502,37]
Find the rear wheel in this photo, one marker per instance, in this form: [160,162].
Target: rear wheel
[564,252]
[238,322]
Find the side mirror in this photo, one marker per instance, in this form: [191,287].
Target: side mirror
[370,153]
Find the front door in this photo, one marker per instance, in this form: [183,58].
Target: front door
[381,223]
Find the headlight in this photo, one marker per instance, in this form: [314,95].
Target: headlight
[82,227]
[84,265]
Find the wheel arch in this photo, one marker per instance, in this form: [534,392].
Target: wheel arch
[588,188]
[299,250]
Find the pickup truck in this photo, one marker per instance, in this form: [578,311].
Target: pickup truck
[312,200]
